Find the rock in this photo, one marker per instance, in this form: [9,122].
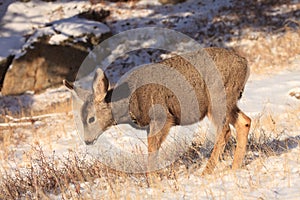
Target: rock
[41,67]
[171,1]
[56,100]
[95,15]
[52,54]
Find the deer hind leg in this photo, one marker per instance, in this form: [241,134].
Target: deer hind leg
[242,124]
[223,135]
[159,130]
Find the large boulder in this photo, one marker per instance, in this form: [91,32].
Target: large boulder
[52,54]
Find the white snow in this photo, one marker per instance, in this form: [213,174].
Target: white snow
[32,18]
[270,93]
[274,177]
[23,18]
[76,27]
[10,45]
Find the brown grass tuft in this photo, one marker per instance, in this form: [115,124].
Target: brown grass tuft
[271,53]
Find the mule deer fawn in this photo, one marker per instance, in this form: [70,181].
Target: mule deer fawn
[234,72]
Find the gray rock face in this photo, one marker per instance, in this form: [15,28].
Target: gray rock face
[41,67]
[51,54]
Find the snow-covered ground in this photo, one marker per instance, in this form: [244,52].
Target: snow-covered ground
[272,91]
[265,96]
[275,177]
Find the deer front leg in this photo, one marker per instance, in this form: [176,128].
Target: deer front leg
[159,130]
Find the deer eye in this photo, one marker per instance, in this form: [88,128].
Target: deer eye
[91,120]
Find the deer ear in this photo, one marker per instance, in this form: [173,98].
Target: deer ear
[100,85]
[68,84]
[78,92]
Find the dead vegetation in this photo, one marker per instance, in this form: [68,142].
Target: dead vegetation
[77,175]
[48,175]
[271,53]
[74,176]
[45,176]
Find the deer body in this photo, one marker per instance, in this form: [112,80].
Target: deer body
[234,73]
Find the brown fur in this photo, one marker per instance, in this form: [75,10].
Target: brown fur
[234,73]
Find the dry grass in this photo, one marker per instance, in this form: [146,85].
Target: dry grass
[48,175]
[76,176]
[43,175]
[271,53]
[25,107]
[275,125]
[271,134]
